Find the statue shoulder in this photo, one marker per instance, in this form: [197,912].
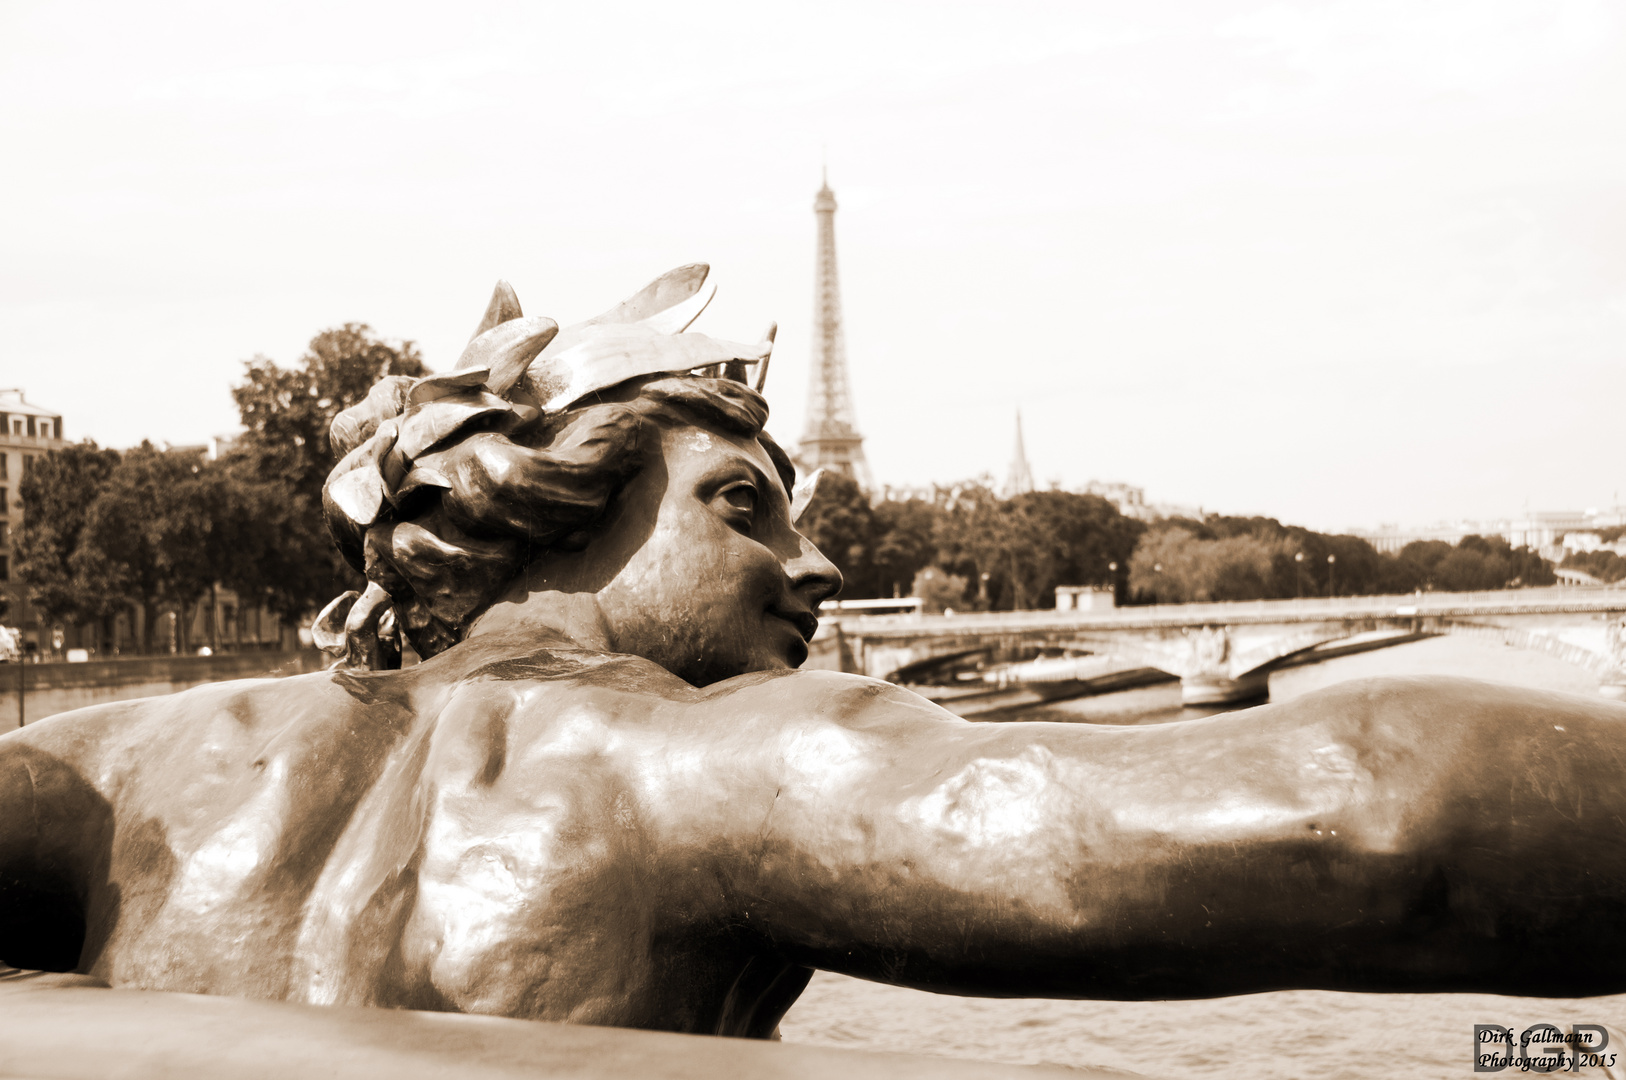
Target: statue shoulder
[605,706]
[529,696]
[832,697]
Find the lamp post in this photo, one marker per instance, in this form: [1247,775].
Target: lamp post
[1332,565]
[1298,573]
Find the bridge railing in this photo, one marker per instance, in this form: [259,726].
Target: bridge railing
[1607,599]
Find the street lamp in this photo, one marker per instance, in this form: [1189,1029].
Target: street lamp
[1332,565]
[1298,573]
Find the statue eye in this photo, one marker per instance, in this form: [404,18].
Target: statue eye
[741,501]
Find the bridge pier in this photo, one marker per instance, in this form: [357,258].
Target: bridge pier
[1220,690]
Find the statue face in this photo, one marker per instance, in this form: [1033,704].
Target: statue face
[700,568]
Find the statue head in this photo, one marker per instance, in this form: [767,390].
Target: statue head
[597,460]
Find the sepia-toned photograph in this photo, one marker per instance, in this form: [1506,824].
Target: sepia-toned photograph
[854,541]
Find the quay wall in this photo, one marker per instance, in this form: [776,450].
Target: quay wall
[43,690]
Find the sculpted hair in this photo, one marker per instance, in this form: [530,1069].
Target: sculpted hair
[450,484]
[465,514]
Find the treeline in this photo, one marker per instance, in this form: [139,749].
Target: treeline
[974,549]
[1229,558]
[1606,566]
[966,548]
[158,530]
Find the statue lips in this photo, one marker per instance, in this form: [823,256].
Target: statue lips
[805,623]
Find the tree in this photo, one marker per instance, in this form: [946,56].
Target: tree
[939,592]
[272,548]
[1227,558]
[1604,565]
[1177,566]
[288,411]
[1074,540]
[1028,545]
[56,492]
[971,540]
[276,470]
[903,544]
[1475,562]
[841,524]
[146,536]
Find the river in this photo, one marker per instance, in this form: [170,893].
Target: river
[1290,1035]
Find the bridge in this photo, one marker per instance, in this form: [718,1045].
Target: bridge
[1224,652]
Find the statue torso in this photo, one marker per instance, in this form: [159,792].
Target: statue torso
[544,837]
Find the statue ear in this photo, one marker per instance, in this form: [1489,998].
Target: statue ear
[504,307]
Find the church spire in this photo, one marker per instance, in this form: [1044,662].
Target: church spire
[831,439]
[1019,481]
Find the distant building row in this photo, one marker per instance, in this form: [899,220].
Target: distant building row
[1554,533]
[27,432]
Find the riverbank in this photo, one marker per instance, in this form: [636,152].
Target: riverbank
[31,692]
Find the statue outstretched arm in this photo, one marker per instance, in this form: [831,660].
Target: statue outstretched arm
[1386,835]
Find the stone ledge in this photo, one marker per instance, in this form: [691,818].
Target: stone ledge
[59,1028]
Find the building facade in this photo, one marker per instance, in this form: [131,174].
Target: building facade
[27,432]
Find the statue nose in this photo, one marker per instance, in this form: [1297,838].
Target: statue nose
[812,575]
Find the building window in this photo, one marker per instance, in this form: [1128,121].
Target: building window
[5,532]
[57,424]
[2,500]
[3,467]
[16,427]
[5,568]
[28,463]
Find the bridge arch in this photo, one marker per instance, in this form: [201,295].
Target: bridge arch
[1225,643]
[1602,662]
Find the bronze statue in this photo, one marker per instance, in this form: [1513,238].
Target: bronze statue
[608,796]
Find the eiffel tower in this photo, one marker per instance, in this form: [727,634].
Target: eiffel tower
[831,439]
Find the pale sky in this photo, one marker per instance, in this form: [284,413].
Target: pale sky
[1340,263]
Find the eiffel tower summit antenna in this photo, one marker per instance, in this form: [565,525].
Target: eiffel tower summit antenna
[831,439]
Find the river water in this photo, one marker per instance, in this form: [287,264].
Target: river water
[1289,1035]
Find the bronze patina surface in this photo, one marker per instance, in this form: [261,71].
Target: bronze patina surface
[609,797]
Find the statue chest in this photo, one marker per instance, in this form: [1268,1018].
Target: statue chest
[430,880]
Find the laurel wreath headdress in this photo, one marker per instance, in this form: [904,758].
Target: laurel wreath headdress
[516,372]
